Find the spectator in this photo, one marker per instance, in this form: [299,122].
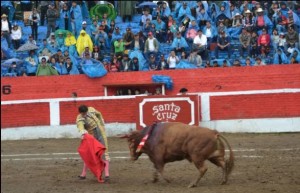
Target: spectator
[83,41]
[223,44]
[225,64]
[184,11]
[115,64]
[134,64]
[254,47]
[162,63]
[200,43]
[245,39]
[171,22]
[52,41]
[58,55]
[153,65]
[16,35]
[179,43]
[262,21]
[111,29]
[102,39]
[44,69]
[160,29]
[151,46]
[236,63]
[65,18]
[293,61]
[86,52]
[32,65]
[76,18]
[248,61]
[248,21]
[264,42]
[45,49]
[85,28]
[280,57]
[31,40]
[258,62]
[192,32]
[119,47]
[292,39]
[157,91]
[60,41]
[169,37]
[207,64]
[6,29]
[215,63]
[128,38]
[52,16]
[13,69]
[94,29]
[165,12]
[70,43]
[195,59]
[44,8]
[125,64]
[210,32]
[281,22]
[96,54]
[275,39]
[138,43]
[183,91]
[183,56]
[282,41]
[172,60]
[236,27]
[34,19]
[145,17]
[147,27]
[115,36]
[106,64]
[202,17]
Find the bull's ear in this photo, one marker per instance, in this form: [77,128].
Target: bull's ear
[123,136]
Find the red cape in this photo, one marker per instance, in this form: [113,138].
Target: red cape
[91,151]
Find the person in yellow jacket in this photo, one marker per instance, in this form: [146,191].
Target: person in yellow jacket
[84,40]
[70,43]
[89,120]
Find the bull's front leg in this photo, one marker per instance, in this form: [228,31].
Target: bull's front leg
[159,170]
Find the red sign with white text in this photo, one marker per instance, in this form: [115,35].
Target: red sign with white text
[181,108]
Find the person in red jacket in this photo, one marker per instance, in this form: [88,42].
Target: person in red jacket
[263,42]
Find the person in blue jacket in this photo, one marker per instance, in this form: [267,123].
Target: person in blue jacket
[65,18]
[179,43]
[76,18]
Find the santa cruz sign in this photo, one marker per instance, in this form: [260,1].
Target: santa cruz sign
[183,108]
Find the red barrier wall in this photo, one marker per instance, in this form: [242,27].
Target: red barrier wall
[196,80]
[124,110]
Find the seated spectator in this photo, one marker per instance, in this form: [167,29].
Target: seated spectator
[192,32]
[31,40]
[71,68]
[146,16]
[147,27]
[106,64]
[60,41]
[162,63]
[194,58]
[245,39]
[202,17]
[223,44]
[225,64]
[16,35]
[138,43]
[210,32]
[296,55]
[179,43]
[236,27]
[248,21]
[262,21]
[45,49]
[96,54]
[160,29]
[172,60]
[215,63]
[264,42]
[293,61]
[128,38]
[183,56]
[221,27]
[153,65]
[174,28]
[125,63]
[119,46]
[170,37]
[84,40]
[292,38]
[114,65]
[237,63]
[70,43]
[94,29]
[184,11]
[280,57]
[281,22]
[32,65]
[58,55]
[200,43]
[151,46]
[44,69]
[259,62]
[248,61]
[86,52]
[53,62]
[207,64]
[52,41]
[60,67]
[13,69]
[134,64]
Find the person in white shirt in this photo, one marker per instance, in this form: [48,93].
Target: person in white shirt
[172,60]
[6,29]
[151,46]
[16,35]
[200,44]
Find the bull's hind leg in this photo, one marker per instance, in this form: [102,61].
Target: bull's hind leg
[220,162]
[202,169]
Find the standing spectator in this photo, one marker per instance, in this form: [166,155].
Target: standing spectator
[26,5]
[52,15]
[245,39]
[65,20]
[89,120]
[254,47]
[184,11]
[44,8]
[94,29]
[153,65]
[264,42]
[211,33]
[119,47]
[102,39]
[44,69]
[138,43]
[76,18]
[248,21]
[6,29]
[128,38]
[96,54]
[114,65]
[126,9]
[275,39]
[223,44]
[172,60]
[34,21]
[151,46]
[160,29]
[282,41]
[146,16]
[16,35]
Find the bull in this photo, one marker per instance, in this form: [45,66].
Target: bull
[169,142]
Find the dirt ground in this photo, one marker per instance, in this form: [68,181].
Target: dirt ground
[263,163]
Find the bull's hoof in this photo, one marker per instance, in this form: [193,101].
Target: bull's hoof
[154,180]
[223,183]
[192,185]
[167,180]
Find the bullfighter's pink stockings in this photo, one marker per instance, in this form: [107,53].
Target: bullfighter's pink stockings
[83,173]
[106,169]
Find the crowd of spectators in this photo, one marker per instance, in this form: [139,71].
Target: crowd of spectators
[201,34]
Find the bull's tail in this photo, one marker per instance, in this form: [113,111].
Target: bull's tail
[229,162]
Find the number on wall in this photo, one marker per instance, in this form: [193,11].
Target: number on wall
[6,89]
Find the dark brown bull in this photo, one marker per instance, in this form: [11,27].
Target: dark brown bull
[168,142]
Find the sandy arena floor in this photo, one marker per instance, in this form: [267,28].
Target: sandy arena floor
[263,163]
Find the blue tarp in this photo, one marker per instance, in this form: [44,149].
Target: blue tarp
[163,79]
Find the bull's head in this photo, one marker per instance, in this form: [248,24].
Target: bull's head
[133,140]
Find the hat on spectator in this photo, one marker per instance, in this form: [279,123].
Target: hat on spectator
[150,34]
[59,50]
[44,58]
[152,56]
[237,14]
[128,29]
[3,15]
[60,33]
[30,36]
[282,34]
[84,22]
[52,34]
[259,10]
[117,28]
[248,11]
